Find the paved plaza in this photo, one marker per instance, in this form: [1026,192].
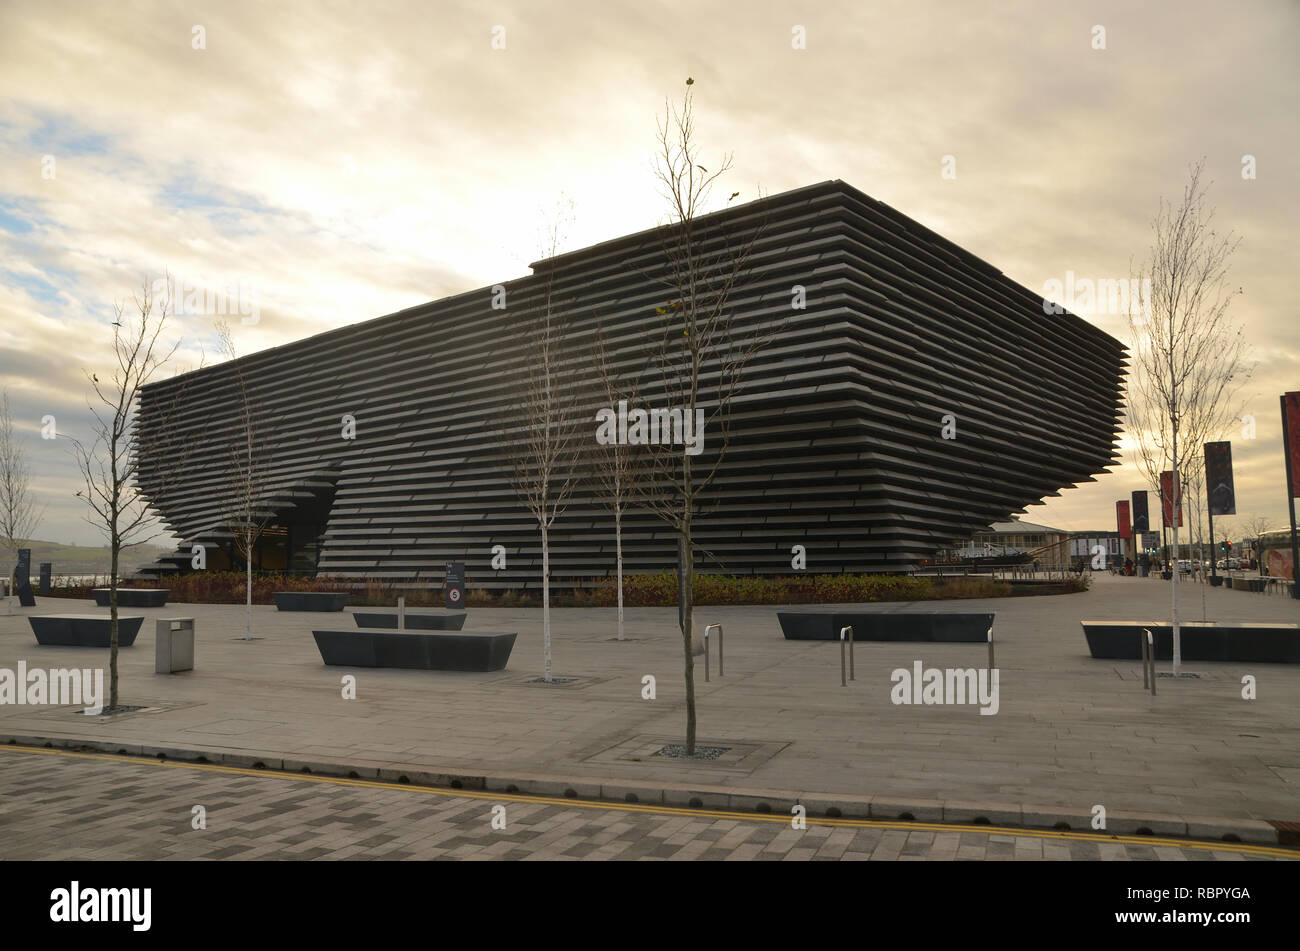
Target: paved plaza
[1070,732]
[51,806]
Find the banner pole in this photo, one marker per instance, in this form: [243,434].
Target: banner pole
[1290,501]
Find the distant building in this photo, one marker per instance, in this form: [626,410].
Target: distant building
[1042,543]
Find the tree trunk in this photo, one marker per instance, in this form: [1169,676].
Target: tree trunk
[248,598]
[1177,509]
[618,549]
[546,600]
[688,606]
[112,624]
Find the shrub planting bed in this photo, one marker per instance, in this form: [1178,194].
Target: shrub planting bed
[640,590]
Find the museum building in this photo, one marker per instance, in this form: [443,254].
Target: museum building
[908,395]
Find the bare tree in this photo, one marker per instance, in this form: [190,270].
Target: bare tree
[1256,525]
[19,513]
[109,463]
[697,363]
[613,461]
[540,426]
[1252,526]
[1189,360]
[248,506]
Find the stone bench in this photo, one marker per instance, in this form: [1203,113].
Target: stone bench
[310,600]
[418,650]
[415,621]
[133,597]
[1271,642]
[937,626]
[83,630]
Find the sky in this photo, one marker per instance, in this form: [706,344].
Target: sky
[326,163]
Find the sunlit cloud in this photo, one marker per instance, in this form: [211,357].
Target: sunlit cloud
[347,162]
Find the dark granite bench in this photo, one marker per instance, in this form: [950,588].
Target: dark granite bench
[133,597]
[879,626]
[1272,642]
[310,600]
[383,647]
[417,621]
[83,630]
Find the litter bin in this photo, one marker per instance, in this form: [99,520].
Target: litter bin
[174,645]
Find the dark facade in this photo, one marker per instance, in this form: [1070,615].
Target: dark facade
[837,436]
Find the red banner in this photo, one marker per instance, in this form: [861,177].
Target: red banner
[1167,499]
[1122,519]
[1291,426]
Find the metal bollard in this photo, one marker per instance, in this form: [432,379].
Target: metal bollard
[844,682]
[850,630]
[1142,650]
[1149,660]
[708,628]
[401,611]
[706,652]
[991,664]
[1151,655]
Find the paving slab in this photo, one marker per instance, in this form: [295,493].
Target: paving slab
[1070,731]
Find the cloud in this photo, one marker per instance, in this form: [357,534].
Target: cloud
[346,161]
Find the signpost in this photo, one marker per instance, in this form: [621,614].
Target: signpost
[24,572]
[1151,541]
[455,585]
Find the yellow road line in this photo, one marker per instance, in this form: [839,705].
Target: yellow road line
[905,826]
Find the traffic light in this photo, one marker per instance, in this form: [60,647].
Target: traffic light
[1224,545]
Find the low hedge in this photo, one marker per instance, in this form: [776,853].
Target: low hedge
[661,589]
[639,590]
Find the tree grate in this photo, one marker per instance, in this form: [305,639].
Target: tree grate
[678,751]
